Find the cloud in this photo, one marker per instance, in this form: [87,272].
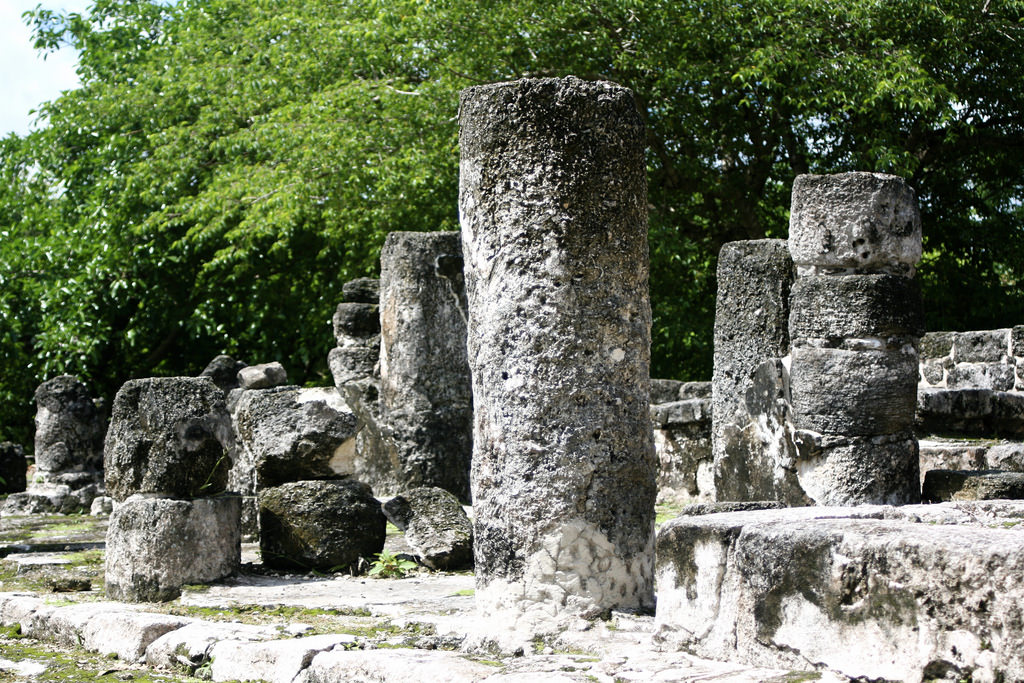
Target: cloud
[26,79]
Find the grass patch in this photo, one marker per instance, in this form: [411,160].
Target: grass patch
[465,592]
[664,512]
[66,665]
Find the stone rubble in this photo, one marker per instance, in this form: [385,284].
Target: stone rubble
[435,526]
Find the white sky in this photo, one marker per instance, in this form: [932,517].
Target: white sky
[26,80]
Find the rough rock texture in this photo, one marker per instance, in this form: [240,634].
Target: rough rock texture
[970,412]
[293,434]
[856,317]
[873,593]
[970,454]
[855,223]
[157,545]
[436,527]
[425,393]
[553,209]
[69,428]
[322,525]
[43,498]
[946,485]
[980,359]
[682,443]
[830,309]
[168,436]
[223,370]
[752,458]
[12,467]
[262,376]
[362,290]
[356,320]
[275,660]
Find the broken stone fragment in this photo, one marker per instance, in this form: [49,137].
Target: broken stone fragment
[436,527]
[352,363]
[69,428]
[854,222]
[856,470]
[356,320]
[168,436]
[292,434]
[157,545]
[947,485]
[262,376]
[321,525]
[223,370]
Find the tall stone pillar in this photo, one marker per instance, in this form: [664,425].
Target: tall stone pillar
[855,324]
[752,444]
[425,394]
[553,204]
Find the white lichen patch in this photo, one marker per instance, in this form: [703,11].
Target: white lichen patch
[575,571]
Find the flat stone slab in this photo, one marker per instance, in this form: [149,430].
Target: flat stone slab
[872,592]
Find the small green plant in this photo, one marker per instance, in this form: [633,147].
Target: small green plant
[390,566]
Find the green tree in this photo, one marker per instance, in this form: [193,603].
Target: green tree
[227,164]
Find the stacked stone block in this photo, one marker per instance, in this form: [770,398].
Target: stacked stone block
[681,417]
[354,363]
[553,210]
[166,460]
[68,450]
[426,398]
[855,322]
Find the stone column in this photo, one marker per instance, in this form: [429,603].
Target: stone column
[425,394]
[855,325]
[553,210]
[752,441]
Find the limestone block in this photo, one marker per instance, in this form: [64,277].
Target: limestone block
[101,506]
[694,390]
[685,472]
[157,545]
[1017,341]
[190,645]
[168,436]
[875,307]
[995,376]
[856,470]
[292,434]
[868,593]
[69,428]
[223,370]
[436,527]
[985,346]
[937,345]
[123,633]
[854,393]
[43,498]
[425,393]
[262,376]
[352,363]
[855,222]
[322,525]
[693,411]
[393,665]
[362,290]
[271,660]
[12,467]
[356,320]
[553,211]
[933,373]
[1008,414]
[665,390]
[947,485]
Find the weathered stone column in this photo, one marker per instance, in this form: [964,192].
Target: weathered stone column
[425,394]
[855,324]
[554,226]
[69,429]
[752,445]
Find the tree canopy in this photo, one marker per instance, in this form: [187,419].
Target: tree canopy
[227,164]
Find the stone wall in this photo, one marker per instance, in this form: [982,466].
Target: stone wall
[681,418]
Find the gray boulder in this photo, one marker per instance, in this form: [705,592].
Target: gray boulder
[436,526]
[69,428]
[294,434]
[362,290]
[168,436]
[262,376]
[321,525]
[981,346]
[223,370]
[157,545]
[12,467]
